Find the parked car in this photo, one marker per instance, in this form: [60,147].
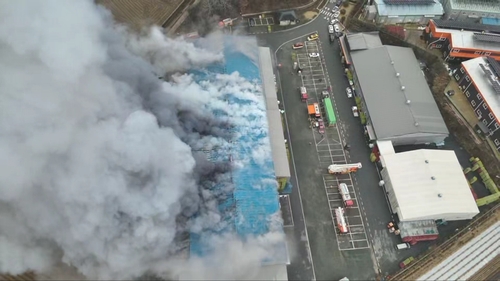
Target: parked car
[348,91]
[421,27]
[336,27]
[355,112]
[314,55]
[330,29]
[336,14]
[313,37]
[321,126]
[325,94]
[403,246]
[334,21]
[299,45]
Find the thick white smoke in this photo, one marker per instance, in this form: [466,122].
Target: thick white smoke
[96,153]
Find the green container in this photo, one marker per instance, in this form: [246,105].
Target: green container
[475,167]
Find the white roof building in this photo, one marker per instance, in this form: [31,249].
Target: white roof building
[483,84]
[467,40]
[427,184]
[276,133]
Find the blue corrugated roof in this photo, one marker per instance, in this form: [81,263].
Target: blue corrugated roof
[254,199]
[490,21]
[409,10]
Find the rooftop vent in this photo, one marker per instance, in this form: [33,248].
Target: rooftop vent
[426,161]
[403,88]
[416,125]
[392,62]
[408,101]
[440,195]
[397,74]
[433,178]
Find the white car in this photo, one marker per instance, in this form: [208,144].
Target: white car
[348,91]
[330,29]
[355,112]
[337,28]
[314,55]
[334,21]
[336,14]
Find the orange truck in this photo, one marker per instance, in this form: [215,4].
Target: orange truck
[313,110]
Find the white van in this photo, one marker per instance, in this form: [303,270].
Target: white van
[403,246]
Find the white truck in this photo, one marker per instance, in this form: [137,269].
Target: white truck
[342,169]
[341,223]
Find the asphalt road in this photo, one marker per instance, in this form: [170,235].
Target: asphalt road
[329,262]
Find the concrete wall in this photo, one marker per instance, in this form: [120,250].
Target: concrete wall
[421,20]
[413,139]
[393,203]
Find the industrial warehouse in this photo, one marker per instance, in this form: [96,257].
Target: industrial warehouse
[424,186]
[250,210]
[324,156]
[393,95]
[479,79]
[460,41]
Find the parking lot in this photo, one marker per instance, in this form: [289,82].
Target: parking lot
[260,21]
[330,149]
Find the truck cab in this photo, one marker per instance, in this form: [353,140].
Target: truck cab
[317,112]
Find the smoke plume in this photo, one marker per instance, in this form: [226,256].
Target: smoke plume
[100,161]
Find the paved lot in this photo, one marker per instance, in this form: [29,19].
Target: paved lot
[260,21]
[328,261]
[329,149]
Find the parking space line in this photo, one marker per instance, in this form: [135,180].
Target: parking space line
[329,147]
[358,248]
[333,218]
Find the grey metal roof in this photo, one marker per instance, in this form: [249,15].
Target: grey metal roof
[363,41]
[276,132]
[409,10]
[288,15]
[386,102]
